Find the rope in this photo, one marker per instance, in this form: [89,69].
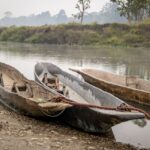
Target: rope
[52,116]
[122,107]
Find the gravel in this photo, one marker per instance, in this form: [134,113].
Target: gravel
[25,133]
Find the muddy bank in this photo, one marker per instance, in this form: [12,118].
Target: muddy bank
[21,132]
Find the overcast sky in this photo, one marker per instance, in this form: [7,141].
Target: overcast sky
[27,7]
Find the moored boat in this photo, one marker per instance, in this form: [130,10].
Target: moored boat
[82,115]
[130,88]
[27,97]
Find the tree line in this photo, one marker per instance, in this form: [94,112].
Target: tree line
[133,10]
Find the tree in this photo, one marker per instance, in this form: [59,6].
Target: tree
[148,9]
[110,14]
[138,9]
[7,14]
[132,9]
[125,8]
[82,6]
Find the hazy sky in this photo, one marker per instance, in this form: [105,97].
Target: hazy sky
[27,7]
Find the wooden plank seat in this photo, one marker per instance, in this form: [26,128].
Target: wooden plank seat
[22,89]
[50,82]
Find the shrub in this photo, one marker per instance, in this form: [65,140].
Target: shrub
[130,38]
[74,33]
[89,37]
[114,40]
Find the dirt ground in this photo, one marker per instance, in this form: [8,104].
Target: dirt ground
[23,133]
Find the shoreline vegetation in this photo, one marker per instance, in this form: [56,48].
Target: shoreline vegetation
[76,34]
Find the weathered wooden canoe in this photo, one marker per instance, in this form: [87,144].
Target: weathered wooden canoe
[25,96]
[85,118]
[130,88]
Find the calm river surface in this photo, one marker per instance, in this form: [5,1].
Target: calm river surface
[125,61]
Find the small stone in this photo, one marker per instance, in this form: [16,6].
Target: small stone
[54,132]
[28,128]
[2,113]
[46,138]
[69,139]
[91,148]
[34,139]
[57,145]
[74,138]
[40,144]
[29,132]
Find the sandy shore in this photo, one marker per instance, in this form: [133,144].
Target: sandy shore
[23,133]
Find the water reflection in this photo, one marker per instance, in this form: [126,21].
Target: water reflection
[127,61]
[136,132]
[117,60]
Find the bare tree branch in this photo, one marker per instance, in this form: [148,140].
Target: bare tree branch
[82,6]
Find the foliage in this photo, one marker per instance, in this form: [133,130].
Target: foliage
[146,21]
[134,10]
[82,6]
[77,34]
[114,39]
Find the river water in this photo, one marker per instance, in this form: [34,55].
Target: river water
[124,61]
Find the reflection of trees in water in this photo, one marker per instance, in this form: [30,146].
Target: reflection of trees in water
[142,70]
[129,61]
[136,61]
[140,122]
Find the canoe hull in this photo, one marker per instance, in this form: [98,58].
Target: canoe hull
[26,96]
[87,119]
[19,104]
[122,92]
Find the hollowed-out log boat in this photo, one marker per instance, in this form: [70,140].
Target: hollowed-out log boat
[130,88]
[27,97]
[85,118]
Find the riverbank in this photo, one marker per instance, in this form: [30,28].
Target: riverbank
[76,34]
[20,132]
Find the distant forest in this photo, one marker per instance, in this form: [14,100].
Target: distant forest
[109,14]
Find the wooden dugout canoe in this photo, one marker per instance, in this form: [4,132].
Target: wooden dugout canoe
[130,88]
[85,118]
[25,96]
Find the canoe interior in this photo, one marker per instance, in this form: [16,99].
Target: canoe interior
[11,78]
[68,92]
[26,96]
[89,93]
[129,81]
